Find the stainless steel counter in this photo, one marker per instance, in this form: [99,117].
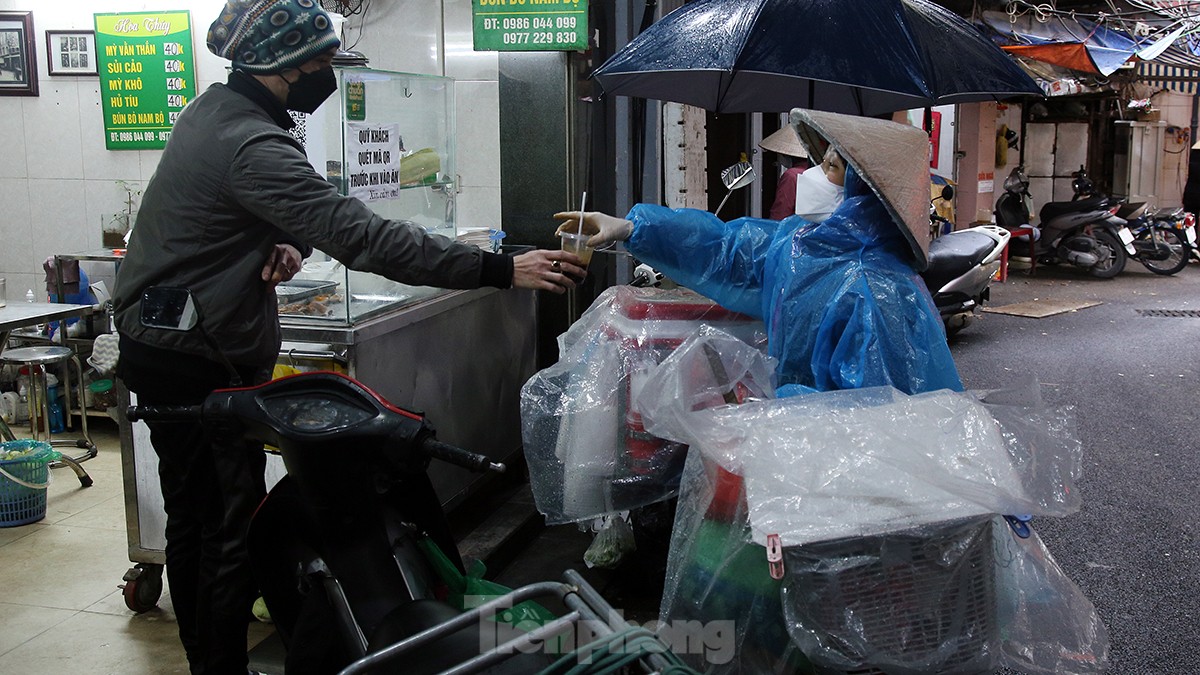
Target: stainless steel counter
[460,357]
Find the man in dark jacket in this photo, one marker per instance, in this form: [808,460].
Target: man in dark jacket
[232,209]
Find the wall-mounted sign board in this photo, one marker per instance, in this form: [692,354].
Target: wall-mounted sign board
[530,25]
[147,74]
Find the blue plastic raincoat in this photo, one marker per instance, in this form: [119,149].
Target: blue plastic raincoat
[843,307]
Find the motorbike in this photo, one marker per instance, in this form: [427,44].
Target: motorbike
[961,266]
[1164,240]
[340,547]
[1084,232]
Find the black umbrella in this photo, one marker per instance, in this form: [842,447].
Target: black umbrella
[863,57]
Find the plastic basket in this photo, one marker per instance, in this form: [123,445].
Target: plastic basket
[23,481]
[920,600]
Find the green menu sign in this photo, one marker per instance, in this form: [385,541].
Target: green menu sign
[147,75]
[530,25]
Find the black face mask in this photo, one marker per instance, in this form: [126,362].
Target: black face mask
[310,90]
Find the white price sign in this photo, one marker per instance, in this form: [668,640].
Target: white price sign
[373,155]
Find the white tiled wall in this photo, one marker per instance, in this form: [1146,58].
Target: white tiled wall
[57,181]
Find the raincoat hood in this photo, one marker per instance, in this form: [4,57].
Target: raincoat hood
[890,158]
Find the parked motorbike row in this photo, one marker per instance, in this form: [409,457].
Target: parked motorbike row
[1095,232]
[1091,232]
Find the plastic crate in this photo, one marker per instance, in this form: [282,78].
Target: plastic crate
[21,504]
[920,600]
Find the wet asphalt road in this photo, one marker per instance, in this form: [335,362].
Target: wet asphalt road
[1134,382]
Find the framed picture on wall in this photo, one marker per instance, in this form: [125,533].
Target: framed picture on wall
[71,52]
[18,61]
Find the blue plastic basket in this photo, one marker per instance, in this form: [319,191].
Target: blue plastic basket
[23,489]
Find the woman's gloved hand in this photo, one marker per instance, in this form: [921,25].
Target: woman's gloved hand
[603,227]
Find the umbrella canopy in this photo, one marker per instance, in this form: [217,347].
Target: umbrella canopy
[863,57]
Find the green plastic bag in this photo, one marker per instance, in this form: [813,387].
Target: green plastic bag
[472,590]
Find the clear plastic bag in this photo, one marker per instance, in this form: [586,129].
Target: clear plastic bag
[1050,626]
[587,449]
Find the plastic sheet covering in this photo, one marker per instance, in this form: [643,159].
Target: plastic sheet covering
[587,450]
[857,462]
[885,507]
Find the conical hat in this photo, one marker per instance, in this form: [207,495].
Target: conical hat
[784,142]
[892,158]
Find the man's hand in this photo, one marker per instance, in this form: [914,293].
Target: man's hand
[603,227]
[547,270]
[283,264]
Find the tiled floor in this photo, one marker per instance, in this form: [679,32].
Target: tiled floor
[61,608]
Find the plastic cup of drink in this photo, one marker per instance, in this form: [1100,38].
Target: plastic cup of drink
[577,244]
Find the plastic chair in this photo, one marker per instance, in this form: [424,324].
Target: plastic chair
[35,360]
[1016,232]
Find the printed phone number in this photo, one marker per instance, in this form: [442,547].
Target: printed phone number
[571,38]
[138,136]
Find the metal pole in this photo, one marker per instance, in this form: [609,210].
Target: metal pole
[512,647]
[457,623]
[610,621]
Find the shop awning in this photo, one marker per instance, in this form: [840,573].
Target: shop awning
[1071,55]
[1077,44]
[1175,78]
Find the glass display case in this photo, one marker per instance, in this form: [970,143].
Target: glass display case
[386,138]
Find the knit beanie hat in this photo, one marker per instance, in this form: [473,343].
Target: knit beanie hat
[270,36]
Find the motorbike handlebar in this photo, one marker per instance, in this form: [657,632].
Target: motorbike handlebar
[163,413]
[429,446]
[459,457]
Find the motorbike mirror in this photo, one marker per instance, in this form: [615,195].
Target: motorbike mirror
[169,308]
[738,176]
[734,178]
[947,192]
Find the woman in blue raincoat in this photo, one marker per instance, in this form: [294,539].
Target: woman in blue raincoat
[842,302]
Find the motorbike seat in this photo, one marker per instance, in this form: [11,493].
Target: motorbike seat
[1169,213]
[1011,212]
[1052,210]
[952,255]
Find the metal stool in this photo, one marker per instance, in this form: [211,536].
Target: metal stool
[35,359]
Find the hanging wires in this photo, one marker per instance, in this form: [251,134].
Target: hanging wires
[1151,18]
[361,24]
[1043,11]
[1018,8]
[349,8]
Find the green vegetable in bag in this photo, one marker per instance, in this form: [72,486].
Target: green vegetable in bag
[471,590]
[612,543]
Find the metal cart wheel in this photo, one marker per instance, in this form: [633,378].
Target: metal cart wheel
[143,587]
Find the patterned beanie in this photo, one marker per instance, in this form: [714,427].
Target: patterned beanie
[270,36]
